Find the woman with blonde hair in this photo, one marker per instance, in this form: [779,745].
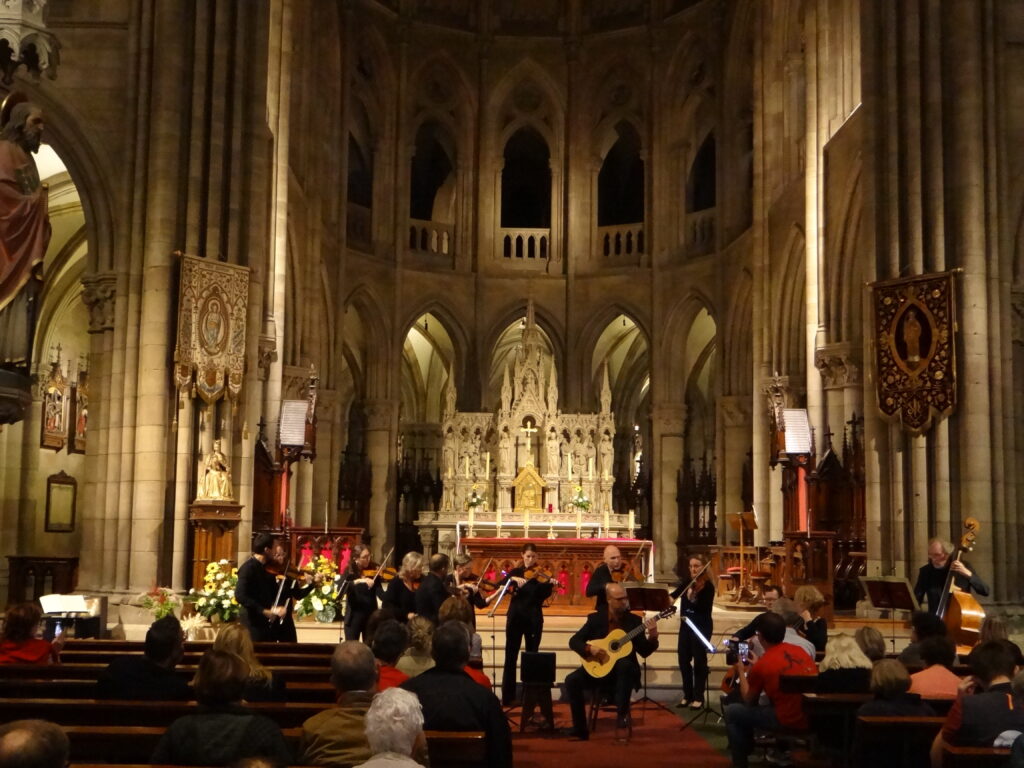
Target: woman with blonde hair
[845,668]
[260,683]
[810,600]
[871,642]
[400,597]
[416,657]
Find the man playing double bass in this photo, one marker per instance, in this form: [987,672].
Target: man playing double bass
[931,578]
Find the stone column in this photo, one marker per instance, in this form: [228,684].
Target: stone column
[733,445]
[381,423]
[668,421]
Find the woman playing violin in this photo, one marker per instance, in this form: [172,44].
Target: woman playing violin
[696,594]
[362,592]
[525,619]
[265,603]
[400,597]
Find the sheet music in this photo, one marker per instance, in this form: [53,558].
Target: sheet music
[293,423]
[63,604]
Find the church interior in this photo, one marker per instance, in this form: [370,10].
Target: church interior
[737,278]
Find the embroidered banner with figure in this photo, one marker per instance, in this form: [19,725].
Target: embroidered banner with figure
[915,356]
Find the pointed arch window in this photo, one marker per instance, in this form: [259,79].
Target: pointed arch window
[620,195]
[432,191]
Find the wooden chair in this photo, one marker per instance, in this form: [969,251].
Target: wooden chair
[449,749]
[600,698]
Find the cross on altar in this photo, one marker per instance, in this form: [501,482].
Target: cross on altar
[528,429]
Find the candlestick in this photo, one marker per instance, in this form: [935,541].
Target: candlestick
[325,518]
[472,510]
[498,523]
[632,520]
[526,524]
[579,521]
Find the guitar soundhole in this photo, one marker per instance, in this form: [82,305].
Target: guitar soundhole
[615,646]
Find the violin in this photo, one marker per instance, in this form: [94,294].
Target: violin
[697,582]
[376,572]
[285,570]
[539,575]
[626,573]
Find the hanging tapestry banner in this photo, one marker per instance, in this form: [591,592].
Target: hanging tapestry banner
[915,357]
[212,307]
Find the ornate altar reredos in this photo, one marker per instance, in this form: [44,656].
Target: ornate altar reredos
[528,460]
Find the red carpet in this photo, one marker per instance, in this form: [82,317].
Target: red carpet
[657,741]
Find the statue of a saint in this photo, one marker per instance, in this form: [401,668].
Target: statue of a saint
[215,484]
[552,453]
[505,453]
[605,453]
[449,399]
[24,229]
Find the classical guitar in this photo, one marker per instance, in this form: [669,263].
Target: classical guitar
[617,644]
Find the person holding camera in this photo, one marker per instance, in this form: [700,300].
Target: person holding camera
[764,675]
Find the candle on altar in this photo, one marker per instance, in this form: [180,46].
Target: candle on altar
[579,521]
[632,520]
[325,518]
[590,468]
[467,467]
[526,522]
[497,520]
[472,510]
[570,465]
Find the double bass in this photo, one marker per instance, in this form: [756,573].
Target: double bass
[962,614]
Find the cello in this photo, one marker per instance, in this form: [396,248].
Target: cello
[962,614]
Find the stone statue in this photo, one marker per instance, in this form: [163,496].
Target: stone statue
[448,456]
[605,452]
[24,230]
[449,399]
[552,452]
[506,393]
[505,453]
[215,484]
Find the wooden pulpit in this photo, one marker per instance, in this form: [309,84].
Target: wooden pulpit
[214,534]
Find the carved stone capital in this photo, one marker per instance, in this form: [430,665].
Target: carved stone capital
[294,382]
[736,409]
[839,365]
[100,296]
[380,413]
[1017,314]
[266,355]
[778,392]
[669,418]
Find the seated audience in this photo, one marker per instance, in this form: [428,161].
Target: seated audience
[150,677]
[18,642]
[453,702]
[993,628]
[337,736]
[261,684]
[33,744]
[986,706]
[784,710]
[787,609]
[417,657]
[871,642]
[936,681]
[890,683]
[394,729]
[222,730]
[769,594]
[810,601]
[459,609]
[389,640]
[922,626]
[845,668]
[1015,652]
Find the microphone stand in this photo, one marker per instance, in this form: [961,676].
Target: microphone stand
[490,615]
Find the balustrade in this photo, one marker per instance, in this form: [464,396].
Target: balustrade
[526,246]
[623,240]
[430,237]
[700,232]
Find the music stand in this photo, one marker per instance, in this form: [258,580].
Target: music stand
[740,522]
[705,708]
[647,597]
[891,593]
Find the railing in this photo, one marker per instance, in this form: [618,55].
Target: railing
[623,240]
[526,246]
[358,224]
[430,237]
[700,232]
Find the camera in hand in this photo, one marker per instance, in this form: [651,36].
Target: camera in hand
[737,650]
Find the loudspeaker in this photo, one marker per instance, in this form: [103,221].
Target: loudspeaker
[537,668]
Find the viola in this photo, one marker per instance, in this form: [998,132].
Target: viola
[625,574]
[412,584]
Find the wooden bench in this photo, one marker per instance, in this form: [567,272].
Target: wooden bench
[974,757]
[137,646]
[301,691]
[191,658]
[92,671]
[895,742]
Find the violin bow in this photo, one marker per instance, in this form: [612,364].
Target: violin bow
[383,563]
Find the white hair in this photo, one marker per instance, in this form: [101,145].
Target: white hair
[393,722]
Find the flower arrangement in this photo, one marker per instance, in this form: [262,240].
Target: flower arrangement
[217,597]
[475,499]
[160,601]
[191,625]
[323,601]
[580,501]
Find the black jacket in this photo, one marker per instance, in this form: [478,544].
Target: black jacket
[430,595]
[399,599]
[256,592]
[527,603]
[220,736]
[931,580]
[698,611]
[136,678]
[596,628]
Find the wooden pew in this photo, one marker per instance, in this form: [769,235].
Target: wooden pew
[974,757]
[137,646]
[449,749]
[191,658]
[895,742]
[81,671]
[54,688]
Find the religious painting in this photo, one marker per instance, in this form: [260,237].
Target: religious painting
[212,308]
[78,416]
[54,426]
[61,498]
[914,350]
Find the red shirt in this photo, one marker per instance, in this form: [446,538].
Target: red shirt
[389,677]
[31,651]
[779,660]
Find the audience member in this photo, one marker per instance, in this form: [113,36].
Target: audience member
[33,744]
[19,644]
[1015,652]
[787,609]
[845,668]
[453,702]
[150,677]
[890,683]
[222,730]
[922,626]
[376,618]
[810,601]
[986,705]
[871,642]
[261,684]
[337,736]
[389,641]
[784,710]
[769,594]
[417,657]
[458,609]
[256,762]
[993,628]
[936,681]
[394,729]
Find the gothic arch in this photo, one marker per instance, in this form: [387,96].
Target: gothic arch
[377,340]
[788,299]
[453,327]
[678,323]
[546,322]
[843,297]
[737,338]
[528,70]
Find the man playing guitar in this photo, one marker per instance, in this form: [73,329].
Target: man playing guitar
[625,675]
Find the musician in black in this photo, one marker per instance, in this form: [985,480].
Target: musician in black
[612,569]
[931,578]
[525,619]
[433,590]
[696,596]
[361,592]
[624,677]
[266,606]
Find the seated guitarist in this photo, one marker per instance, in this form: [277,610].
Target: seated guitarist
[625,675]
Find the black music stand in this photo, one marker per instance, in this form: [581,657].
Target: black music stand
[653,598]
[890,593]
